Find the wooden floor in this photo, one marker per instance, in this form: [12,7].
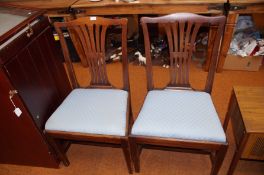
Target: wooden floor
[110,161]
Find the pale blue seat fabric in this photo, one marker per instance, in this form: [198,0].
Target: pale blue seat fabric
[91,111]
[179,114]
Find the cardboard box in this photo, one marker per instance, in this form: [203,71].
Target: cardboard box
[248,63]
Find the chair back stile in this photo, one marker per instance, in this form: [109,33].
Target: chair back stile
[66,55]
[91,33]
[181,31]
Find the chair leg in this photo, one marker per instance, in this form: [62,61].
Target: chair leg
[218,159]
[126,151]
[59,152]
[135,154]
[226,123]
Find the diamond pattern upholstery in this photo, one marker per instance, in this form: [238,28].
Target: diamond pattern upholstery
[92,111]
[179,114]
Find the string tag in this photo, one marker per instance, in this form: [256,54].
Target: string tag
[17,110]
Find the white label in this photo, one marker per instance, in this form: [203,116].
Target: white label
[93,18]
[18,112]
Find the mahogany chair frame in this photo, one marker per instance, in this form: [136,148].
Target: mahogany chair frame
[181,41]
[91,32]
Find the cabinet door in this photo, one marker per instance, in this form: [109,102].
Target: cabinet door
[20,140]
[37,73]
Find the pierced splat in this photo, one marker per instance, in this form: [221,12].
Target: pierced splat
[181,37]
[92,39]
[90,33]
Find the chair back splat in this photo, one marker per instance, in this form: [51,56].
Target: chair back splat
[90,32]
[181,30]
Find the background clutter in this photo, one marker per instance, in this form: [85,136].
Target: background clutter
[247,40]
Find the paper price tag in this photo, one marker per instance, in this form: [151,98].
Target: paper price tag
[18,112]
[93,18]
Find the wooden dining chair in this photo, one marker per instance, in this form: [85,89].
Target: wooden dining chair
[98,114]
[179,117]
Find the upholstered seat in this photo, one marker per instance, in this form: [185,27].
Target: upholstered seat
[91,111]
[181,114]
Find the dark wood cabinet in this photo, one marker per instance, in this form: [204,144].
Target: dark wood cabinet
[29,63]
